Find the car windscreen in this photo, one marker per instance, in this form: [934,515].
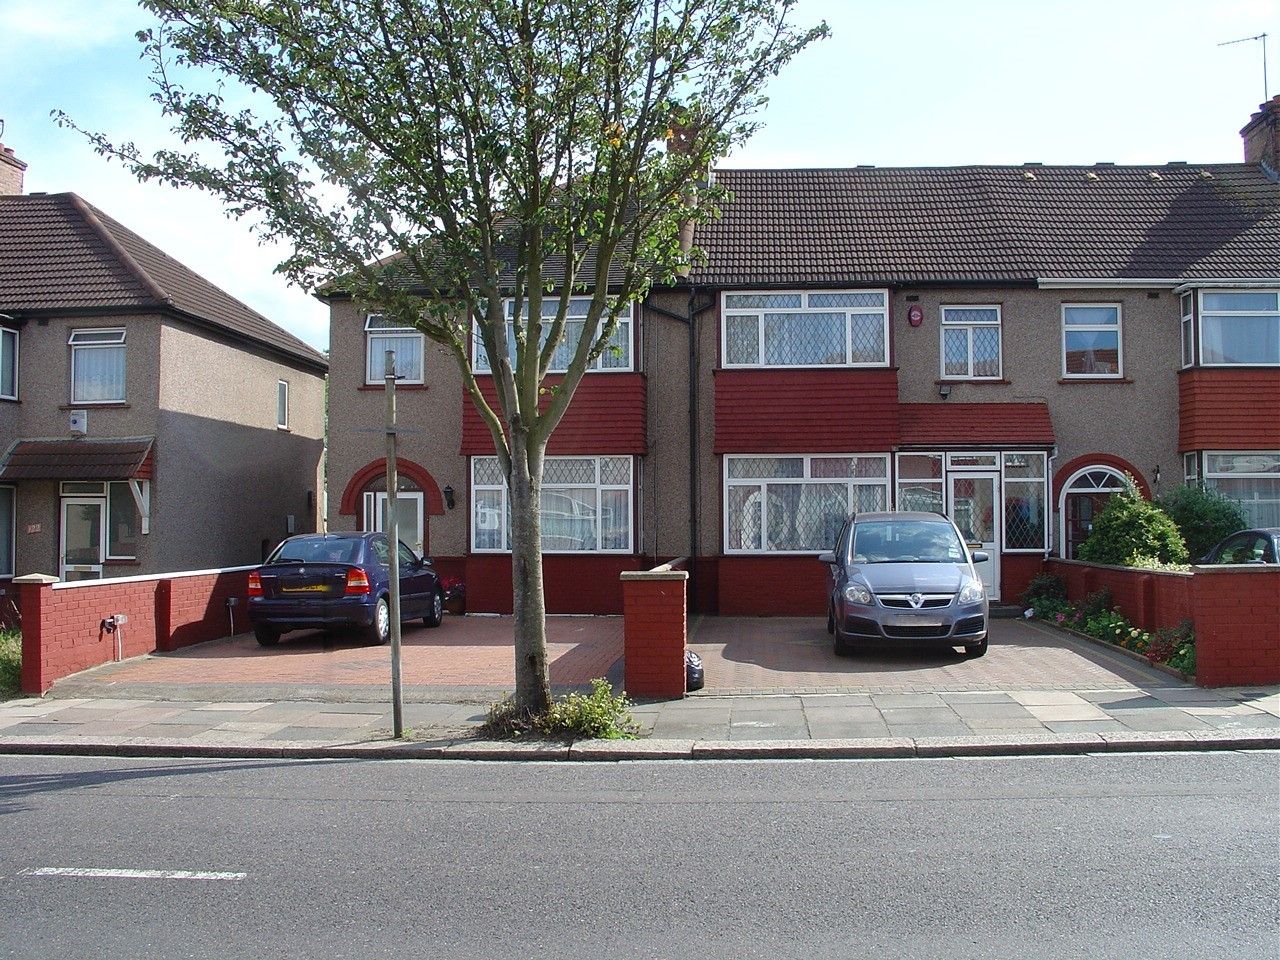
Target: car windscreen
[906,541]
[316,550]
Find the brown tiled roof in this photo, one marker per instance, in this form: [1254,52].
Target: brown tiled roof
[946,423]
[58,252]
[76,459]
[992,224]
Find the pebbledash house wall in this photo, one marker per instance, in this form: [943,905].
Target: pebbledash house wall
[758,411]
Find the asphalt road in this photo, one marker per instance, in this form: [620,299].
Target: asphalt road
[1112,856]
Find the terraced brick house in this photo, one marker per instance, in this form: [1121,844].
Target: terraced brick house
[149,421]
[1000,343]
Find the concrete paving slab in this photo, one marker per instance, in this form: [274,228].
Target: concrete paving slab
[896,700]
[1168,718]
[914,731]
[850,730]
[996,724]
[977,696]
[769,732]
[1256,721]
[837,700]
[1134,701]
[1066,712]
[1086,726]
[1045,698]
[234,706]
[991,711]
[900,715]
[1235,710]
[341,720]
[859,714]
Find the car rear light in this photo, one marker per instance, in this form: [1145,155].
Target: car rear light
[357,581]
[255,584]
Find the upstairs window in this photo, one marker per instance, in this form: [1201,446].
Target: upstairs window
[1091,341]
[407,343]
[97,366]
[282,404]
[971,343]
[8,364]
[1240,328]
[1188,331]
[616,355]
[848,328]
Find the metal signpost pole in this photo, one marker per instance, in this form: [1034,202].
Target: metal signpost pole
[393,535]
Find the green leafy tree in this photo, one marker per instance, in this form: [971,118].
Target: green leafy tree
[1131,528]
[1203,516]
[439,159]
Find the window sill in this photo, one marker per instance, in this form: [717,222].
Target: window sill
[9,400]
[283,429]
[105,405]
[122,562]
[1095,380]
[400,387]
[1231,366]
[984,382]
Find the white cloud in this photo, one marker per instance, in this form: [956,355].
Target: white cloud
[74,24]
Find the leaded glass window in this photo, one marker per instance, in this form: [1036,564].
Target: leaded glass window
[971,342]
[616,354]
[848,328]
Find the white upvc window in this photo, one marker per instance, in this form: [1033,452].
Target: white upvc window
[1249,477]
[1188,330]
[121,511]
[829,328]
[970,342]
[8,364]
[920,482]
[1091,341]
[97,366]
[1026,517]
[1191,469]
[1239,328]
[780,503]
[407,343]
[614,358]
[282,404]
[586,505]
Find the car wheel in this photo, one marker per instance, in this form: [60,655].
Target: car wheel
[840,644]
[266,636]
[831,620]
[976,649]
[380,630]
[434,618]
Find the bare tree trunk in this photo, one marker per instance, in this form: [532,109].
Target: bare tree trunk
[533,684]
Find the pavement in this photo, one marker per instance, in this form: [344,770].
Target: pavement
[774,689]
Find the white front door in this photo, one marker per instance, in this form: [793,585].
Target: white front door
[410,516]
[973,503]
[84,538]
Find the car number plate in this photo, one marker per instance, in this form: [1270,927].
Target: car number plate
[309,588]
[906,620]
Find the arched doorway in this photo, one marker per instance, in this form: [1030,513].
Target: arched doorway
[418,496]
[1080,501]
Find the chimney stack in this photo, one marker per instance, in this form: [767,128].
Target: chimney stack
[1262,136]
[11,170]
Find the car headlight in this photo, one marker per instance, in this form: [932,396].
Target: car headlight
[971,592]
[857,593]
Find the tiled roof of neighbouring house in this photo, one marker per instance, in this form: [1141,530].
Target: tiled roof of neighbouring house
[58,252]
[82,458]
[992,224]
[944,422]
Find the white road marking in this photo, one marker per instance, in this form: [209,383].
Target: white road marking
[115,874]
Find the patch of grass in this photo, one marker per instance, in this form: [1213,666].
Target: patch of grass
[10,663]
[598,715]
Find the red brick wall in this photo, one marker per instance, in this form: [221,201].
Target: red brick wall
[584,583]
[1237,626]
[761,586]
[1016,571]
[1219,409]
[1147,598]
[654,635]
[62,629]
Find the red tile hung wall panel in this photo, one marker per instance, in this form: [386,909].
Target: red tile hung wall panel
[806,411]
[606,416]
[572,584]
[1228,409]
[763,586]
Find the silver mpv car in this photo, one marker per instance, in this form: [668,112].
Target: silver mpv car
[905,576]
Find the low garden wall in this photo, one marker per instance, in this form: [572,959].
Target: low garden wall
[64,624]
[1235,611]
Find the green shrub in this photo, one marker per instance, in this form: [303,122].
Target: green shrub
[10,663]
[1130,527]
[1175,646]
[1100,601]
[1044,586]
[1151,563]
[1203,517]
[598,715]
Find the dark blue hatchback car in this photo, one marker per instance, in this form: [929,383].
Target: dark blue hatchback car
[340,580]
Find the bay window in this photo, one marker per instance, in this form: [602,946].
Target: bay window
[1024,501]
[1091,341]
[586,505]
[1252,479]
[97,366]
[848,328]
[615,356]
[407,343]
[1240,328]
[797,504]
[970,343]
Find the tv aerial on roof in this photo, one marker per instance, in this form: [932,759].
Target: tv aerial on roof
[1266,88]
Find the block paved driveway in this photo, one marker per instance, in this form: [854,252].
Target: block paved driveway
[470,659]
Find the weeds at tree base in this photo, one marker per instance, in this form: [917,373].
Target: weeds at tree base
[598,715]
[10,663]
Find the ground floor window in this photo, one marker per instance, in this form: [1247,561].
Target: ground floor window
[586,505]
[1025,516]
[1252,479]
[8,501]
[797,504]
[100,520]
[410,516]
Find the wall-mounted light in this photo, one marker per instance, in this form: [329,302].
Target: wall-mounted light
[1155,474]
[448,497]
[944,390]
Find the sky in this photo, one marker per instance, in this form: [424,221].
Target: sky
[899,83]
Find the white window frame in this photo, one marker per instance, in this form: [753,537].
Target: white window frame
[968,326]
[626,318]
[941,479]
[1208,476]
[1187,331]
[1120,484]
[119,332]
[1045,499]
[758,313]
[630,489]
[4,360]
[13,530]
[1191,468]
[1233,313]
[885,482]
[371,332]
[1118,327]
[141,501]
[282,394]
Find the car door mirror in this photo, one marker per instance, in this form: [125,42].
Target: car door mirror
[828,558]
[981,556]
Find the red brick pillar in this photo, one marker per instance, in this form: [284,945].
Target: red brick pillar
[34,594]
[1237,617]
[654,631]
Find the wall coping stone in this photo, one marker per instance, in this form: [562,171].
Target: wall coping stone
[1158,573]
[654,575]
[140,578]
[35,578]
